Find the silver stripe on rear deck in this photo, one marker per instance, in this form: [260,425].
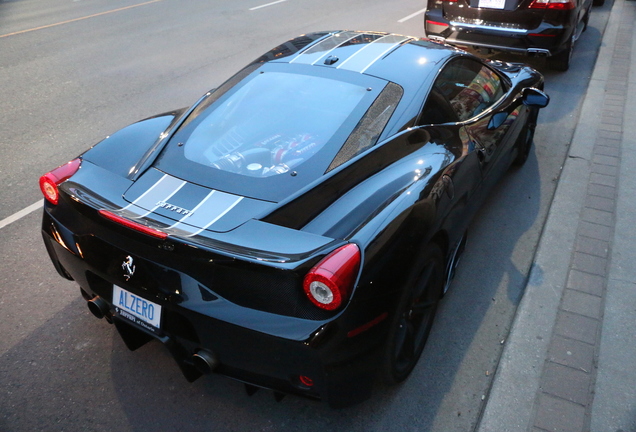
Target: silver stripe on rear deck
[162,190]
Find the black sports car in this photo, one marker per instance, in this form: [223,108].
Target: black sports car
[296,227]
[533,27]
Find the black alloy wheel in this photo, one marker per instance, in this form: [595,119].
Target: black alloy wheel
[412,323]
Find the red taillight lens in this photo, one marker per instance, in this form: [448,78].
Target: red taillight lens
[50,181]
[133,225]
[435,23]
[330,282]
[553,4]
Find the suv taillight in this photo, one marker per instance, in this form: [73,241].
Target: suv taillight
[50,181]
[330,282]
[553,4]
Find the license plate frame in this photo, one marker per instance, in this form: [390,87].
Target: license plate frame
[135,308]
[492,4]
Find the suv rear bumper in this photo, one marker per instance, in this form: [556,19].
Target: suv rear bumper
[545,40]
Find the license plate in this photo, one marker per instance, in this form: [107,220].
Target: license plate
[136,309]
[492,4]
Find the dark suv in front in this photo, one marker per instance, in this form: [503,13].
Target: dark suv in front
[532,27]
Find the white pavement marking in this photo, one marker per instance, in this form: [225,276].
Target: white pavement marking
[413,15]
[19,215]
[267,4]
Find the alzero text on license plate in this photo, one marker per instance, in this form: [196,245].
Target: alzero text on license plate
[135,308]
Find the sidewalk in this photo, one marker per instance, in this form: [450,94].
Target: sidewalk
[569,363]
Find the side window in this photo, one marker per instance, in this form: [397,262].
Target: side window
[437,110]
[469,87]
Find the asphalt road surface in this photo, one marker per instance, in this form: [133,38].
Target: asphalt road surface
[74,71]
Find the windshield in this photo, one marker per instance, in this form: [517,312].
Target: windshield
[273,123]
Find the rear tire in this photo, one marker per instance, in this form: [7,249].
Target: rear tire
[561,61]
[586,18]
[412,322]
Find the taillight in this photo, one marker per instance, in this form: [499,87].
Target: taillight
[553,4]
[50,181]
[330,282]
[133,225]
[435,23]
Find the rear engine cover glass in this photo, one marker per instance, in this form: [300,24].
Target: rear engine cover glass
[271,125]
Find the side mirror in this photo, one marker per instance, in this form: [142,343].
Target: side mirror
[533,97]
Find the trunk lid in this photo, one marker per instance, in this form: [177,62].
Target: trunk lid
[192,207]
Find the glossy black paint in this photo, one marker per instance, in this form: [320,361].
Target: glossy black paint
[235,289]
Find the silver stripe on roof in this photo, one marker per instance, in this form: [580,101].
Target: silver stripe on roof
[324,47]
[370,53]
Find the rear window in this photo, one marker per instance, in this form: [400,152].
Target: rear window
[272,124]
[269,132]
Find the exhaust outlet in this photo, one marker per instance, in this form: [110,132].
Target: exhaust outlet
[205,361]
[98,307]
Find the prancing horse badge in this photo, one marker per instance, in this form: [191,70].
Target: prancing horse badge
[129,268]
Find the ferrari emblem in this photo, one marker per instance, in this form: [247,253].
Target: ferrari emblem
[129,267]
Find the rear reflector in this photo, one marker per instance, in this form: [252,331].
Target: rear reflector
[330,282]
[375,321]
[133,225]
[305,380]
[50,181]
[435,23]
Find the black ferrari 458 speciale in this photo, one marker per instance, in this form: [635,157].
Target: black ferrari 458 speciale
[296,227]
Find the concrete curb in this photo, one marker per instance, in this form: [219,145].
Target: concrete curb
[616,375]
[511,401]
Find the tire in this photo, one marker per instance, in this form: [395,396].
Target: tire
[598,2]
[412,322]
[586,18]
[561,61]
[524,141]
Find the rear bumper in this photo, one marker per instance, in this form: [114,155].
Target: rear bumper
[545,40]
[271,351]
